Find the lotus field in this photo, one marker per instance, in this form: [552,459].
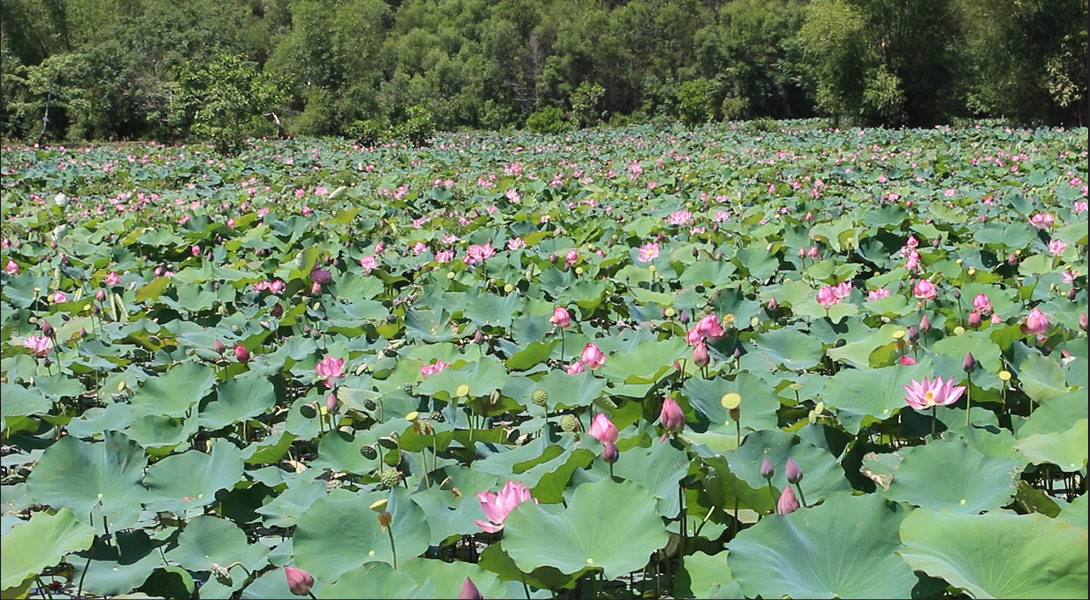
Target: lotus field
[638,363]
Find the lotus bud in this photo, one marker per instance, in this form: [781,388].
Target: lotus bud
[700,355]
[957,293]
[218,347]
[913,334]
[683,317]
[968,364]
[478,337]
[671,417]
[47,362]
[925,324]
[767,470]
[773,304]
[242,354]
[696,252]
[974,319]
[277,311]
[793,471]
[47,328]
[787,503]
[609,452]
[1012,259]
[100,295]
[469,591]
[331,403]
[299,581]
[1083,321]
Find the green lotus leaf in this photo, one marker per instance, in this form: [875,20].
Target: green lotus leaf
[39,543]
[274,584]
[864,396]
[1041,378]
[173,393]
[208,540]
[449,577]
[327,548]
[482,377]
[160,435]
[790,348]
[238,399]
[998,555]
[704,576]
[822,475]
[285,510]
[119,568]
[951,475]
[984,350]
[843,548]
[757,411]
[1076,512]
[190,480]
[591,533]
[95,480]
[1065,449]
[21,402]
[646,363]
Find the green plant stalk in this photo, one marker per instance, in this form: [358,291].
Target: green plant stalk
[934,419]
[772,492]
[44,587]
[393,548]
[802,497]
[968,398]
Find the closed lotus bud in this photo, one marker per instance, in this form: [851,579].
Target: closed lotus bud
[913,334]
[478,337]
[700,355]
[974,319]
[299,581]
[47,328]
[331,403]
[671,417]
[773,304]
[218,347]
[277,311]
[1012,259]
[1071,294]
[787,503]
[469,591]
[696,252]
[793,471]
[767,470]
[242,354]
[100,295]
[968,364]
[925,324]
[609,452]
[1083,321]
[683,317]
[957,293]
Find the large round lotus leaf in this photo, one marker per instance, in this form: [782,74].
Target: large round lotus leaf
[40,543]
[496,560]
[610,526]
[863,396]
[449,577]
[790,348]
[951,475]
[1042,378]
[1065,449]
[190,480]
[1056,415]
[340,451]
[95,421]
[284,511]
[840,549]
[449,517]
[1075,512]
[160,435]
[173,393]
[822,476]
[648,361]
[119,567]
[207,540]
[998,555]
[758,408]
[659,469]
[340,532]
[704,576]
[984,350]
[238,399]
[102,477]
[570,391]
[21,402]
[372,580]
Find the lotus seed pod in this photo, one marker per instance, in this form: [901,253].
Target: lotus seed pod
[389,477]
[369,452]
[370,404]
[569,423]
[539,397]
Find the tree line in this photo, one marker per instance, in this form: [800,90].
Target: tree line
[212,69]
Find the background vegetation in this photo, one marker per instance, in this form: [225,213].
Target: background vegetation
[371,69]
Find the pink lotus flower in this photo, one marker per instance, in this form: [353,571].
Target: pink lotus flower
[432,369]
[1036,322]
[842,290]
[515,243]
[929,394]
[877,294]
[912,242]
[996,319]
[497,506]
[1042,220]
[679,217]
[40,344]
[602,429]
[788,502]
[925,290]
[575,367]
[444,256]
[983,304]
[11,268]
[648,252]
[58,297]
[369,263]
[1057,247]
[693,337]
[701,358]
[299,581]
[113,278]
[907,360]
[469,590]
[827,297]
[974,319]
[478,253]
[913,261]
[592,357]
[242,353]
[710,327]
[671,417]
[561,317]
[330,368]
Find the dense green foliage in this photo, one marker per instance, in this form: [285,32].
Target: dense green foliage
[118,69]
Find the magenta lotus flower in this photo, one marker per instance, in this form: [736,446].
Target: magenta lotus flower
[432,369]
[983,304]
[912,242]
[1042,220]
[561,317]
[693,337]
[906,360]
[710,327]
[602,429]
[11,268]
[930,394]
[1036,322]
[592,357]
[299,581]
[477,253]
[575,367]
[1057,247]
[469,591]
[497,506]
[113,278]
[974,319]
[58,297]
[842,290]
[925,290]
[671,417]
[877,294]
[39,344]
[787,503]
[648,252]
[827,297]
[330,368]
[242,353]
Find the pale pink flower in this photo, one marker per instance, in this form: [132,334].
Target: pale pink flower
[1042,220]
[444,256]
[929,394]
[561,317]
[1056,247]
[497,506]
[277,286]
[369,263]
[419,248]
[575,367]
[11,268]
[671,417]
[330,368]
[877,294]
[679,217]
[1068,277]
[648,252]
[925,290]
[721,216]
[1036,322]
[788,502]
[912,242]
[842,290]
[478,253]
[432,369]
[515,243]
[113,278]
[602,429]
[58,297]
[827,297]
[982,303]
[592,357]
[701,358]
[40,344]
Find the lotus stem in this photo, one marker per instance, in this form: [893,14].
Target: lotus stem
[393,548]
[934,419]
[968,398]
[802,497]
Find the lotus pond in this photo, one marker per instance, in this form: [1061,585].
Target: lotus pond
[638,363]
